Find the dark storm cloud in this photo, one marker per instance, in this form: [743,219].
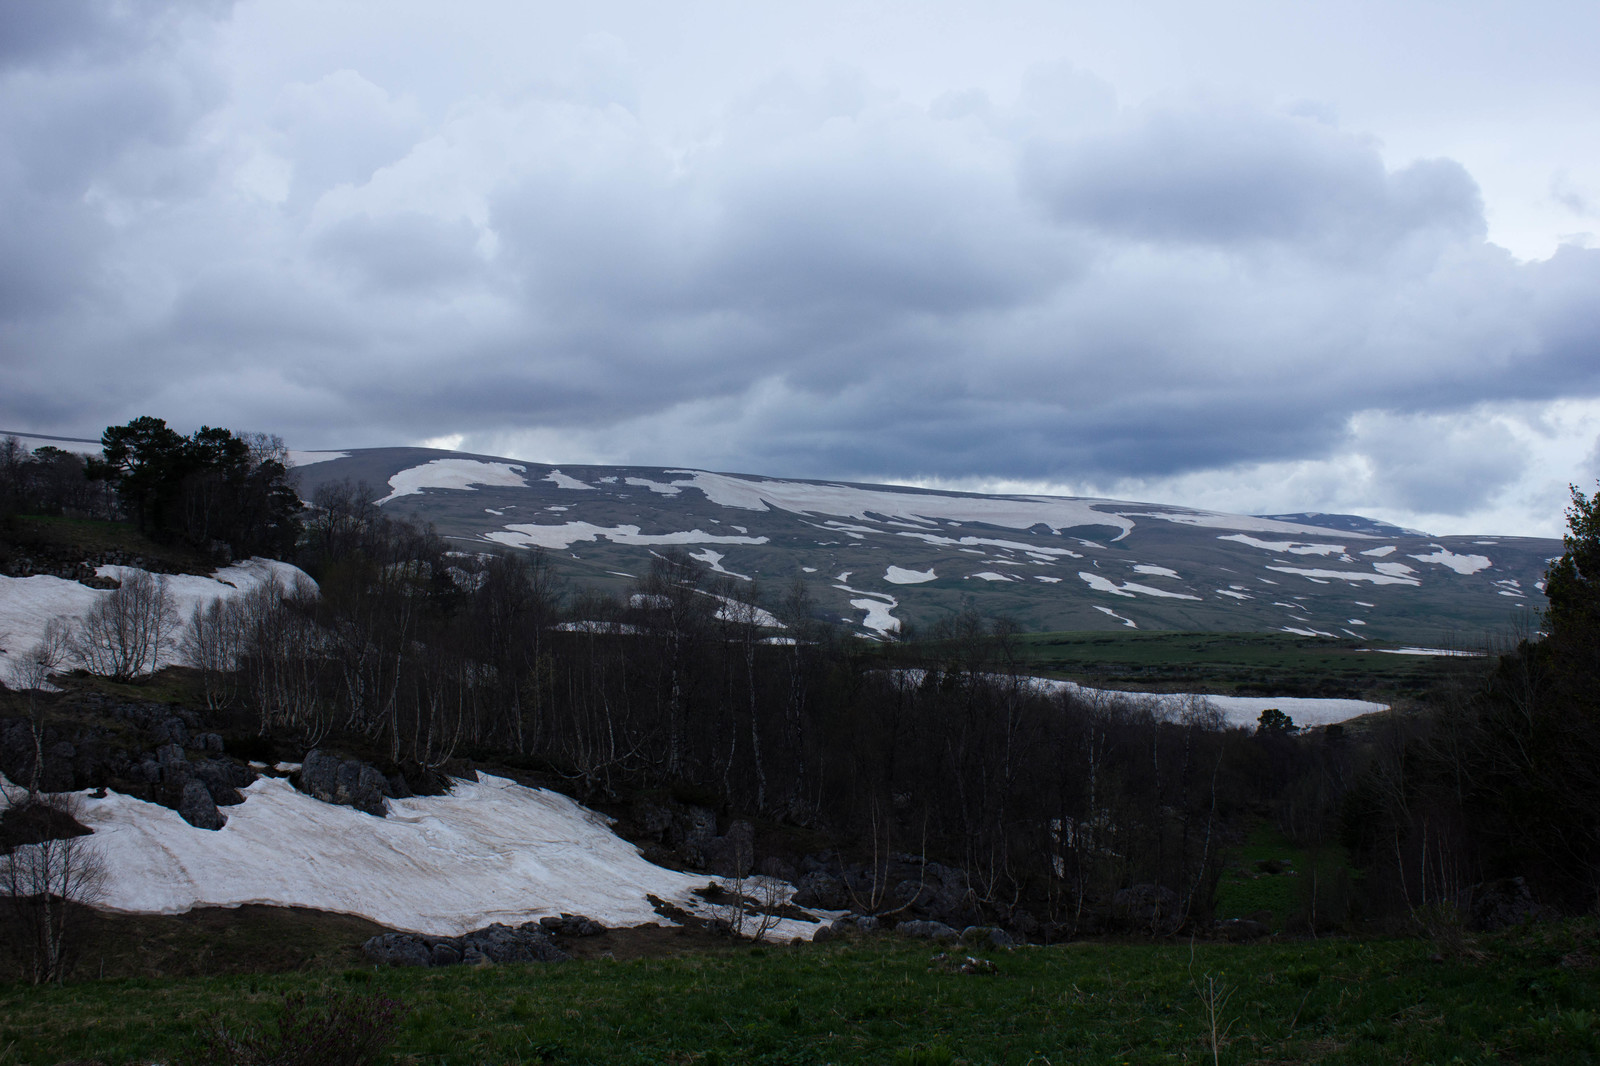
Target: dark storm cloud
[827,280]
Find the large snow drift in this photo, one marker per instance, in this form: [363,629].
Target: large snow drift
[490,851]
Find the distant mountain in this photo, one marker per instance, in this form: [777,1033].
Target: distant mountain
[879,557]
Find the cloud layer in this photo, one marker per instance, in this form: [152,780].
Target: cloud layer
[822,277]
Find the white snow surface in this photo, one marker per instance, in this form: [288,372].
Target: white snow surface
[454,474]
[1461,564]
[653,486]
[990,575]
[851,501]
[568,533]
[1287,546]
[1379,553]
[897,575]
[562,481]
[1125,621]
[1154,571]
[711,559]
[1239,710]
[1013,545]
[1248,523]
[1129,588]
[490,851]
[1348,575]
[27,604]
[298,459]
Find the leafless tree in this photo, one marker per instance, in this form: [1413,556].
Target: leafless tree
[30,675]
[45,885]
[211,644]
[127,630]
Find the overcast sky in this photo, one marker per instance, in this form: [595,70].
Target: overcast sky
[1255,256]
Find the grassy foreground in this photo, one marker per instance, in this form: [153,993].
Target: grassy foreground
[1528,996]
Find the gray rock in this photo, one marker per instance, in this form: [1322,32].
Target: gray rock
[989,934]
[197,807]
[865,923]
[444,954]
[927,930]
[174,764]
[821,889]
[210,742]
[501,943]
[347,782]
[397,949]
[732,854]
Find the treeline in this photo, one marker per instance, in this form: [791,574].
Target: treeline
[223,494]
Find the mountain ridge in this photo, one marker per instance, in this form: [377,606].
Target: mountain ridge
[882,558]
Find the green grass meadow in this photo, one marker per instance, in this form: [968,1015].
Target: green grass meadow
[1528,996]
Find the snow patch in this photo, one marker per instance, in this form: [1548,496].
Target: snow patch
[1289,547]
[562,481]
[990,575]
[654,486]
[1125,621]
[1379,553]
[896,575]
[298,459]
[1461,564]
[1347,575]
[1129,588]
[461,474]
[1154,571]
[569,533]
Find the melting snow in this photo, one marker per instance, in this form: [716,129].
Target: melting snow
[1234,595]
[1288,546]
[299,459]
[1156,571]
[714,561]
[1241,710]
[654,486]
[1128,588]
[1461,564]
[490,851]
[896,575]
[569,533]
[1047,579]
[1125,621]
[990,575]
[563,481]
[975,542]
[1379,553]
[27,604]
[850,501]
[453,474]
[1348,575]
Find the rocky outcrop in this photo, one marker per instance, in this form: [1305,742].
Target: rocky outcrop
[197,807]
[347,782]
[497,943]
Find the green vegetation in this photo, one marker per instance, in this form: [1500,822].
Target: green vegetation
[1526,996]
[1271,875]
[1243,664]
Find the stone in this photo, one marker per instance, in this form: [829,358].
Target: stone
[927,930]
[197,807]
[397,949]
[821,889]
[990,934]
[1240,929]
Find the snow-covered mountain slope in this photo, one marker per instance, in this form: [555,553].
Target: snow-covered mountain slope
[489,851]
[879,557]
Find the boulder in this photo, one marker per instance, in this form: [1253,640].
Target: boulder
[732,854]
[1147,908]
[1491,905]
[821,889]
[197,807]
[571,925]
[927,930]
[398,949]
[526,943]
[988,934]
[347,782]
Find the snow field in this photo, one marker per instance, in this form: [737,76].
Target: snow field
[27,604]
[490,851]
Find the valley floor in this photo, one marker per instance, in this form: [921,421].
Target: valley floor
[1525,995]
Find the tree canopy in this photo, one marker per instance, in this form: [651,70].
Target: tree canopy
[210,490]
